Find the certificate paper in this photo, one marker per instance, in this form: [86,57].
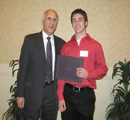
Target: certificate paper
[66,68]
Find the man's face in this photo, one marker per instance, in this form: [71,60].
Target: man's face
[79,23]
[50,22]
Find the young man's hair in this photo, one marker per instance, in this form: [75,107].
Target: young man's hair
[79,11]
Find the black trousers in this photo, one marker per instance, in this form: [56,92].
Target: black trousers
[79,105]
[48,106]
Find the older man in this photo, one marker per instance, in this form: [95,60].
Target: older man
[37,85]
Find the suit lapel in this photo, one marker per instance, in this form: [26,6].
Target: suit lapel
[40,45]
[56,46]
[56,52]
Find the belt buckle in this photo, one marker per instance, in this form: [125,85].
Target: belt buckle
[76,89]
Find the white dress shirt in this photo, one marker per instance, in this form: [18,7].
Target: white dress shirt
[44,35]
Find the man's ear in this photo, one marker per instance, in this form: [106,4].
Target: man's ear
[86,23]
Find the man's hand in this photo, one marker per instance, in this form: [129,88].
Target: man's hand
[20,102]
[62,105]
[81,72]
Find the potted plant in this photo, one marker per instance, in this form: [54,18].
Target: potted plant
[119,109]
[13,112]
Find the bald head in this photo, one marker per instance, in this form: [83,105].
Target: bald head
[49,10]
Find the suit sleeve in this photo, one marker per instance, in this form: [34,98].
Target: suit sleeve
[23,68]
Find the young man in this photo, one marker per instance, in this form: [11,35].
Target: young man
[78,99]
[36,83]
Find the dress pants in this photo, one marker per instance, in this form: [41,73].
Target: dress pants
[48,106]
[79,105]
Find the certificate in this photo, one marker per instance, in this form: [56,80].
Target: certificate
[66,68]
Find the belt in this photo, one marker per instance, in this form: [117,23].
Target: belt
[76,88]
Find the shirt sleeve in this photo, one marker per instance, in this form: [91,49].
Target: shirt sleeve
[60,90]
[100,65]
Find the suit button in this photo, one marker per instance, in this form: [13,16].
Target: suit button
[44,73]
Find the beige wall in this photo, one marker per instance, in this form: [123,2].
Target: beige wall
[108,23]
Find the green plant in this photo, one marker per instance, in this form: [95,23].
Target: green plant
[13,112]
[119,109]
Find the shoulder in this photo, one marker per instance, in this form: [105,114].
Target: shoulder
[70,42]
[67,45]
[94,42]
[33,35]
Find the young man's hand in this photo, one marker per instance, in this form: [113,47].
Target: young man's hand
[62,105]
[81,72]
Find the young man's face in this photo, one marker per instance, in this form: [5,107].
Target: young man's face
[79,23]
[50,22]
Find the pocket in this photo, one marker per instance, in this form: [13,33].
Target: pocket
[92,96]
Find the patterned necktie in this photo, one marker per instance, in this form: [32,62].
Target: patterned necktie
[49,61]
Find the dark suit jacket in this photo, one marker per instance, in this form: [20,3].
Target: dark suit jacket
[32,69]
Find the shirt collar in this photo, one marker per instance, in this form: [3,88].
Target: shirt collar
[84,38]
[45,36]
